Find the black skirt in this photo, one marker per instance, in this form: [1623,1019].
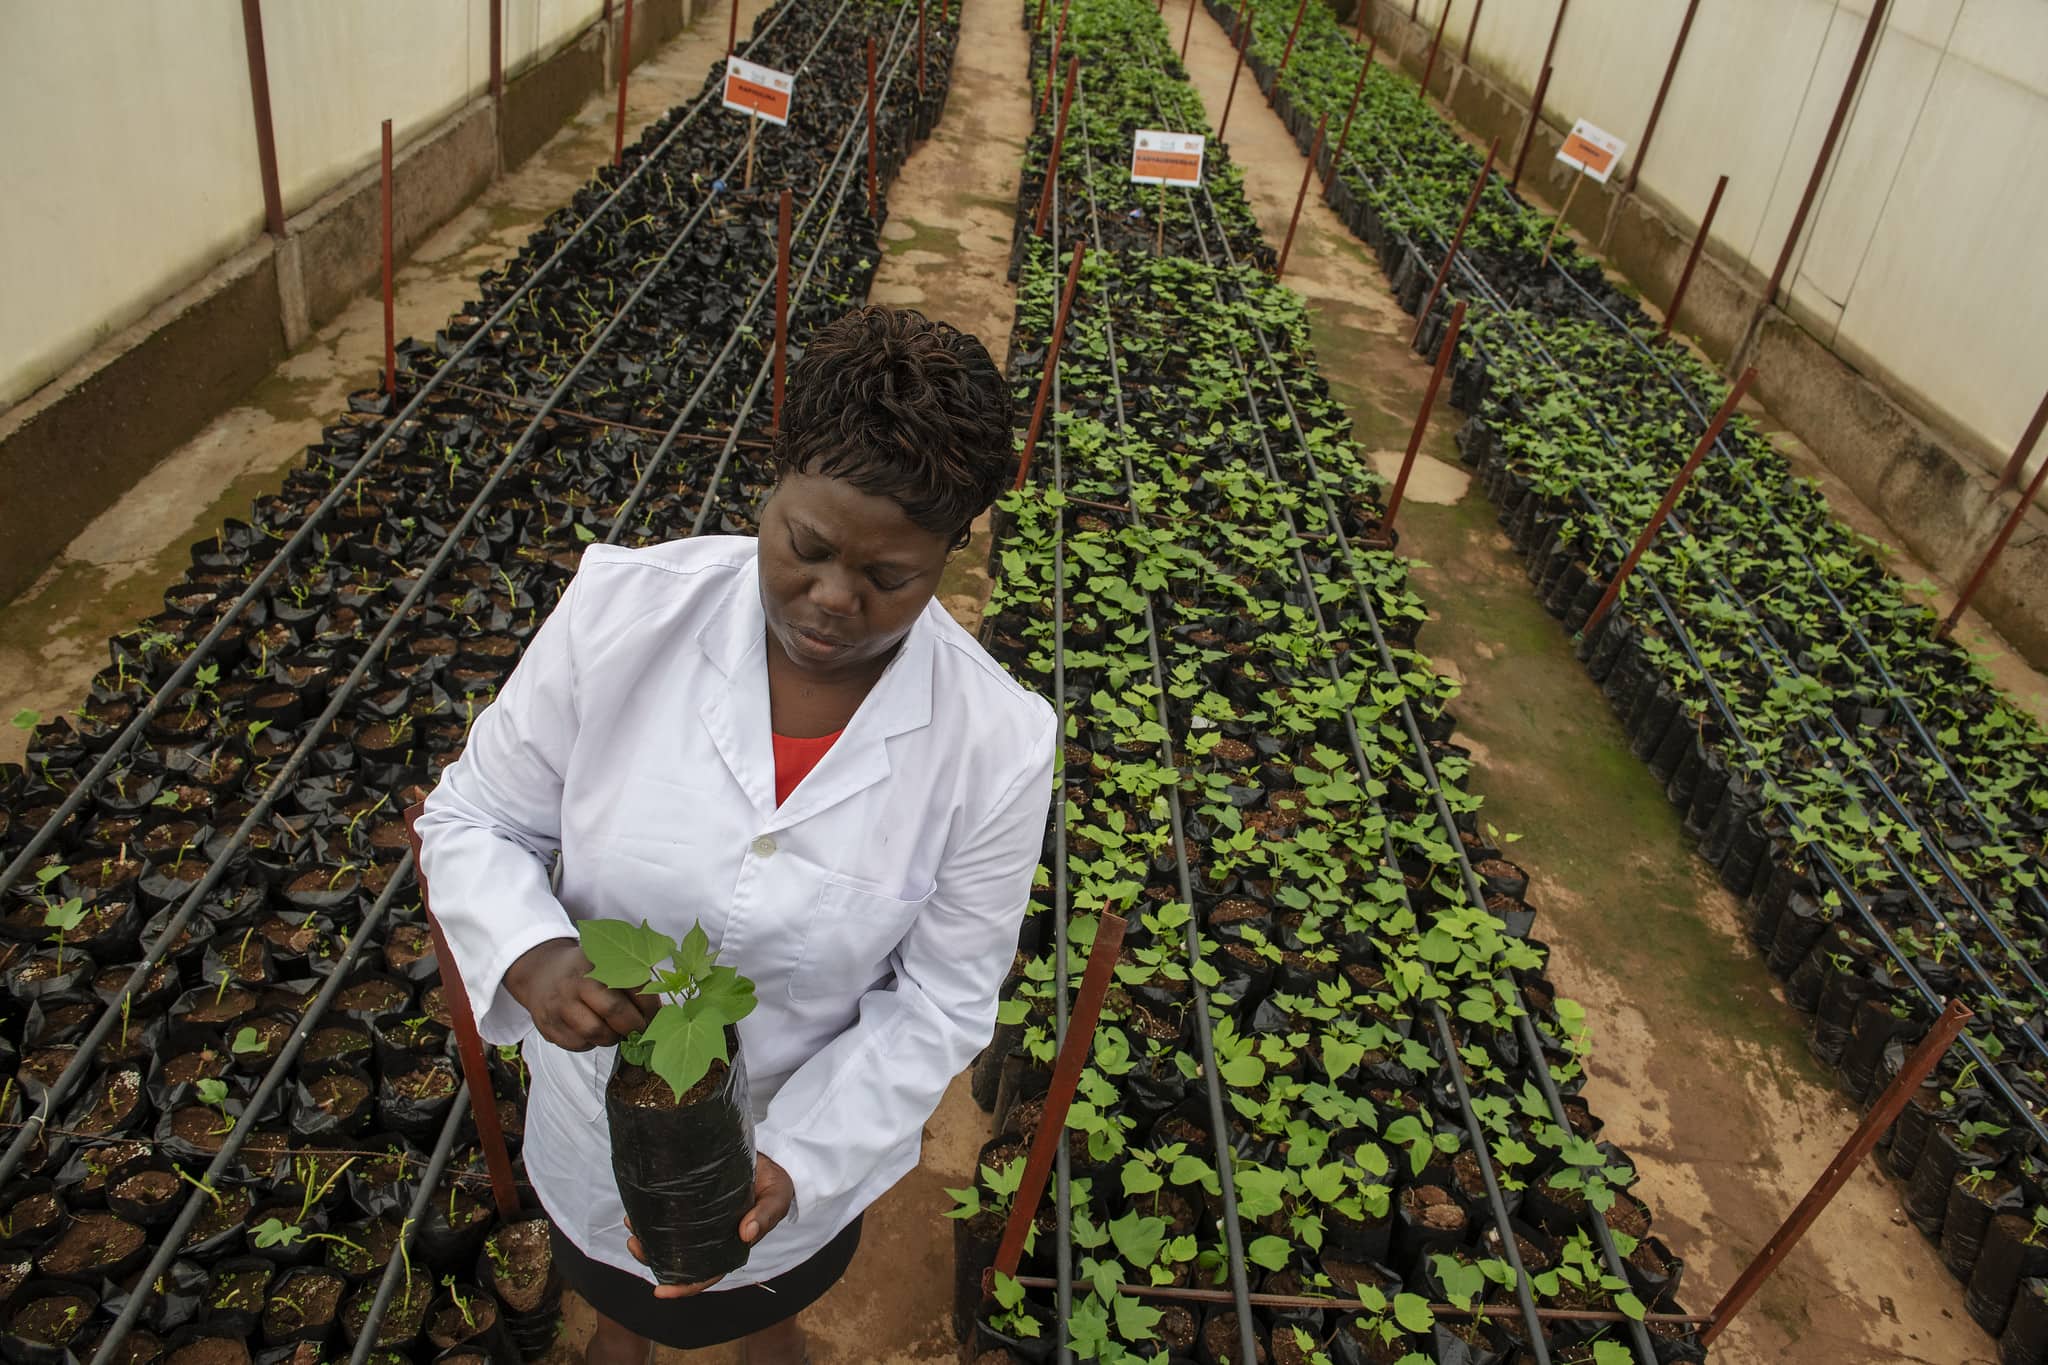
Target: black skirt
[710,1318]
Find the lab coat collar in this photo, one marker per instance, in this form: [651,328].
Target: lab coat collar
[735,641]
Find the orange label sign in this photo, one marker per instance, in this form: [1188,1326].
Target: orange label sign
[1159,158]
[758,90]
[1591,150]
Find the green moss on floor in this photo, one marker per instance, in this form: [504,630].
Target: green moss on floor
[941,241]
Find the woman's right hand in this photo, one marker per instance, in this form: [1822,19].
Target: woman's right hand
[572,1009]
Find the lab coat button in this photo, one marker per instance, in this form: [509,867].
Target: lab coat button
[764,846]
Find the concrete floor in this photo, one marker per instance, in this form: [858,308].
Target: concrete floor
[1719,1102]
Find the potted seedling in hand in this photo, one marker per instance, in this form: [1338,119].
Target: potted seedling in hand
[682,1138]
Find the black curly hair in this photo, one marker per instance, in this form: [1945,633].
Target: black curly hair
[904,408]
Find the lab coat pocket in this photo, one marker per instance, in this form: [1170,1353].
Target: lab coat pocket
[852,932]
[573,1079]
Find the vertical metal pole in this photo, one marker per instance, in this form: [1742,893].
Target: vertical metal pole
[1678,483]
[874,201]
[1364,8]
[1292,33]
[1692,258]
[1059,138]
[2025,448]
[1871,28]
[259,99]
[1443,272]
[1529,130]
[1550,50]
[1357,89]
[390,308]
[625,65]
[782,210]
[1301,195]
[497,49]
[732,29]
[1244,40]
[1436,380]
[1860,1145]
[1052,361]
[1664,88]
[1465,57]
[1052,61]
[1187,31]
[920,48]
[1429,67]
[2012,523]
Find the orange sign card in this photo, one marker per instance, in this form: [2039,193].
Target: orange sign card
[758,90]
[1159,158]
[1591,150]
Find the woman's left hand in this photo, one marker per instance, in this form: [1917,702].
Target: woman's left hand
[773,1194]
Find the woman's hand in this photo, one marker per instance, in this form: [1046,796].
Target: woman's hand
[572,1010]
[773,1194]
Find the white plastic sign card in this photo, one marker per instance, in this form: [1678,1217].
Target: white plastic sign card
[1167,158]
[758,90]
[1591,150]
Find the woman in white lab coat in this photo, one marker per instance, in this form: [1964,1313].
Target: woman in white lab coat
[788,739]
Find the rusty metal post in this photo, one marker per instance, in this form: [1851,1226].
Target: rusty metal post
[1059,1095]
[1692,258]
[497,49]
[1301,196]
[920,48]
[1052,362]
[625,64]
[1635,171]
[782,212]
[1052,61]
[1465,57]
[1529,129]
[390,304]
[2012,523]
[1059,138]
[1861,1144]
[874,203]
[1871,28]
[1444,353]
[2018,462]
[1550,50]
[1292,33]
[1038,20]
[1357,89]
[1429,67]
[1244,40]
[1443,272]
[1678,483]
[1187,31]
[732,30]
[266,134]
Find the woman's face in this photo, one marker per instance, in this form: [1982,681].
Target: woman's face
[844,573]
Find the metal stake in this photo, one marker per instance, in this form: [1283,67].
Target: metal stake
[782,212]
[1244,40]
[1663,88]
[732,30]
[753,127]
[1443,272]
[390,307]
[1529,129]
[1052,362]
[1429,67]
[266,135]
[2018,462]
[1692,258]
[625,65]
[497,49]
[1357,89]
[1187,31]
[1558,221]
[1436,379]
[873,200]
[1059,139]
[1465,57]
[2012,523]
[1292,33]
[1301,195]
[1860,1145]
[1678,483]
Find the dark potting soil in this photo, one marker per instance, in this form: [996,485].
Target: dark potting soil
[91,1243]
[33,1214]
[402,1319]
[1220,1337]
[642,1089]
[435,1003]
[449,1326]
[104,1161]
[216,1217]
[287,937]
[148,1187]
[1628,1215]
[1433,1207]
[45,1064]
[521,1256]
[1177,1328]
[425,1083]
[54,1321]
[192,1066]
[407,944]
[204,1128]
[14,1269]
[210,1351]
[232,1003]
[375,995]
[1649,1260]
[137,1348]
[308,1299]
[463,1208]
[339,1093]
[335,1040]
[1234,751]
[240,1290]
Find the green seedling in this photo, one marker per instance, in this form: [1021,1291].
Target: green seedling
[213,1093]
[700,998]
[248,1042]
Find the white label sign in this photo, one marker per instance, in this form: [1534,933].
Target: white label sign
[758,90]
[1591,150]
[1167,158]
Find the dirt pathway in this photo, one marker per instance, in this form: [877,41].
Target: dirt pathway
[1719,1101]
[53,636]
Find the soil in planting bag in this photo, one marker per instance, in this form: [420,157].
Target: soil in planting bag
[1971,1207]
[235,1299]
[1462,1341]
[415,1102]
[685,1171]
[2025,1339]
[1862,1065]
[147,1195]
[1358,1342]
[1926,1198]
[466,1316]
[1834,1019]
[987,1073]
[1804,920]
[1220,1340]
[304,1305]
[47,1318]
[336,1102]
[974,1250]
[384,1183]
[1033,1350]
[457,1220]
[518,1266]
[201,1344]
[173,1299]
[1706,797]
[2015,1249]
[1427,1218]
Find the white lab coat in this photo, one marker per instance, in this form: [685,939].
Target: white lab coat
[876,910]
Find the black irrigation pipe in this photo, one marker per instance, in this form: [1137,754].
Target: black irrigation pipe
[300,538]
[173,1238]
[82,1061]
[401,1255]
